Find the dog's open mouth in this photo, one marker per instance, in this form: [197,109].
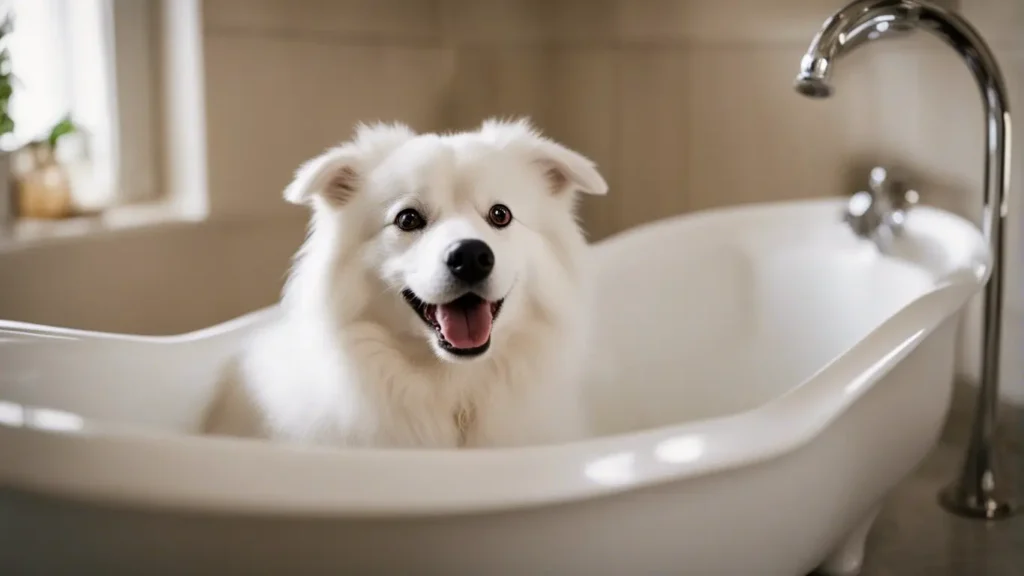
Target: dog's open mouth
[463,326]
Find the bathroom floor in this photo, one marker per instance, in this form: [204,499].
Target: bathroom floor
[913,535]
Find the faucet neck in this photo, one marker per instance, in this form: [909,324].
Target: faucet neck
[865,20]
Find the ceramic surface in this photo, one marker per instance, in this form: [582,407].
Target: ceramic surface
[761,379]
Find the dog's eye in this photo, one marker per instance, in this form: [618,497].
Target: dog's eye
[409,220]
[499,216]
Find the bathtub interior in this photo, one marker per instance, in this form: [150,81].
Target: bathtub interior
[696,317]
[719,314]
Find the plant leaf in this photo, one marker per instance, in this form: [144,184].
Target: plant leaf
[65,126]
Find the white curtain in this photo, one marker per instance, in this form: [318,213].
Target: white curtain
[62,57]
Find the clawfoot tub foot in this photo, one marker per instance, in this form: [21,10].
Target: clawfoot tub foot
[848,556]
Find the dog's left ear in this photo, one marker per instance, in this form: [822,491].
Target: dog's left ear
[566,170]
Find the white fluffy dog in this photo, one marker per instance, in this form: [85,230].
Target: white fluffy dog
[438,301]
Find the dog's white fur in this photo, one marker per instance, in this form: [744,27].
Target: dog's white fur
[350,363]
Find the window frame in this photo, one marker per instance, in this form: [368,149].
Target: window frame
[125,93]
[137,99]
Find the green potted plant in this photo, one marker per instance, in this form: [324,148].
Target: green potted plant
[45,181]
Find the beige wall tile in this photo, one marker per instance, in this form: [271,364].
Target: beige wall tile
[935,125]
[655,134]
[367,20]
[722,21]
[1016,234]
[581,113]
[1013,71]
[753,138]
[498,81]
[1000,22]
[567,92]
[528,21]
[558,62]
[272,104]
[780,21]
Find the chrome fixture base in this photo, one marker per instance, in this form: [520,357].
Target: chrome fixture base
[978,491]
[879,212]
[981,499]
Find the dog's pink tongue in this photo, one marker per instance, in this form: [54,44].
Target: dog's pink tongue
[465,327]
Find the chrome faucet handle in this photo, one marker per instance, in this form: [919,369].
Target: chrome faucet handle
[893,195]
[893,186]
[862,214]
[880,211]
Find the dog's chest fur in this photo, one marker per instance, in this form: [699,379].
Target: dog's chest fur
[368,393]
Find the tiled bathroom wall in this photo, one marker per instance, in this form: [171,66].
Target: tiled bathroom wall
[685,104]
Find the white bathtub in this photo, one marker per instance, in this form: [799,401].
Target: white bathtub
[761,376]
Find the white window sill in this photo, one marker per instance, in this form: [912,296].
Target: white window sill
[27,233]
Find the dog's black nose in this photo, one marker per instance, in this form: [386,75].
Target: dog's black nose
[470,260]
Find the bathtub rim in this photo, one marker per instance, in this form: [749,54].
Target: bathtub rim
[244,475]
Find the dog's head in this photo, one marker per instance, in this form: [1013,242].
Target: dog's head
[456,237]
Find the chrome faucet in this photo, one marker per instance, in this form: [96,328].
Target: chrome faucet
[979,491]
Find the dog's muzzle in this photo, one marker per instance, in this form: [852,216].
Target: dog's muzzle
[462,324]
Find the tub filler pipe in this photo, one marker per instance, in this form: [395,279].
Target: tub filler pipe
[979,491]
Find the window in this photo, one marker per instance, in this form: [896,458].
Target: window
[91,61]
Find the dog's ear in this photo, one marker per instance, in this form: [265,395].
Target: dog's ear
[337,174]
[334,176]
[565,170]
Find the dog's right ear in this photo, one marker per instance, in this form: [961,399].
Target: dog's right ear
[334,176]
[337,174]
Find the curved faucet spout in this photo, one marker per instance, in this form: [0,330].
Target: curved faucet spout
[979,491]
[857,23]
